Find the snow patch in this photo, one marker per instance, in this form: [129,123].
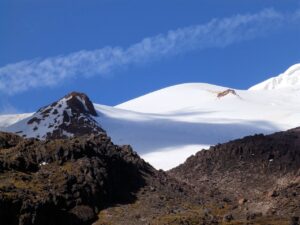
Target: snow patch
[169,157]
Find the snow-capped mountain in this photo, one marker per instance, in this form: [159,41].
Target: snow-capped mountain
[168,125]
[73,115]
[290,79]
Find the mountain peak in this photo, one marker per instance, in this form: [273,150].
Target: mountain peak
[289,79]
[81,103]
[72,115]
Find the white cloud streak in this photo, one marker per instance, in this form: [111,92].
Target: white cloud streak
[21,76]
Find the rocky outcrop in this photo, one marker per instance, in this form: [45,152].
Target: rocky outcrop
[259,174]
[80,180]
[227,92]
[65,181]
[80,103]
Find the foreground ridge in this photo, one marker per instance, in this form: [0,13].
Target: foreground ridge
[88,179]
[69,181]
[261,174]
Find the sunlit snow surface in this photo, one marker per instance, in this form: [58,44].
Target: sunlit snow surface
[167,126]
[7,120]
[173,123]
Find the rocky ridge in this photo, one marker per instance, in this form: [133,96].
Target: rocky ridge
[71,181]
[259,175]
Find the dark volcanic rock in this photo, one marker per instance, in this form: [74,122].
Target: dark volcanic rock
[265,170]
[65,181]
[81,103]
[75,181]
[8,140]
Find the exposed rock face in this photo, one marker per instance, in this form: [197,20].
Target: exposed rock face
[80,103]
[227,92]
[259,173]
[73,115]
[8,140]
[65,181]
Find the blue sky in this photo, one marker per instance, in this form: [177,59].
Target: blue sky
[115,50]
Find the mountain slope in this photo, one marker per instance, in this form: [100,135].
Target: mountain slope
[8,120]
[169,125]
[165,140]
[254,180]
[260,173]
[69,181]
[188,117]
[79,180]
[175,98]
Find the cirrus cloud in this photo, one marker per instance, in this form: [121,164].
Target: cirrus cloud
[24,75]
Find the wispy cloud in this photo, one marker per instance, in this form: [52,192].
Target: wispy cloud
[34,73]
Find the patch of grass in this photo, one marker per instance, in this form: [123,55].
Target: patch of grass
[14,179]
[191,216]
[67,167]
